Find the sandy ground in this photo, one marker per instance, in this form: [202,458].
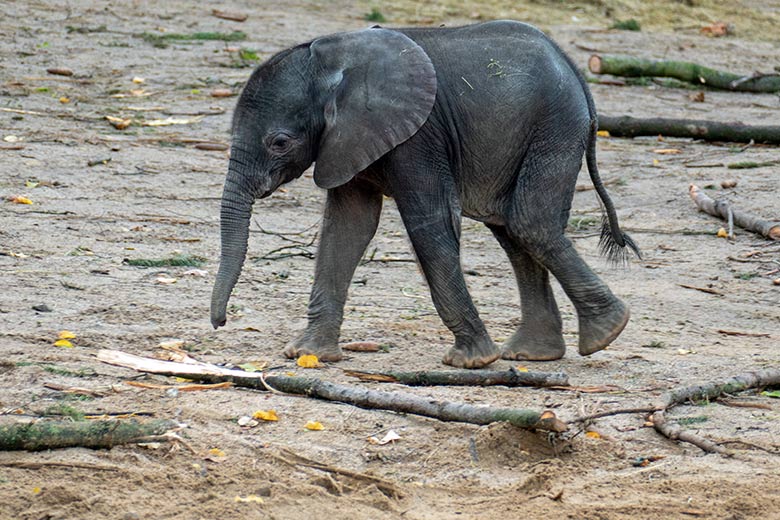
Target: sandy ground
[159,195]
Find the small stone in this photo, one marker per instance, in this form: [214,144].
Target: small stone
[42,308]
[728,183]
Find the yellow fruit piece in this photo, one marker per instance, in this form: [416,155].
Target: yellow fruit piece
[66,334]
[249,499]
[314,426]
[308,361]
[603,133]
[592,435]
[264,415]
[64,100]
[64,343]
[521,368]
[18,199]
[722,233]
[216,452]
[36,490]
[138,80]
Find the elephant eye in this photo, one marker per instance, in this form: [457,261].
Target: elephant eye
[280,143]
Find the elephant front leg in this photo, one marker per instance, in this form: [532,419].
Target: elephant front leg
[348,225]
[435,234]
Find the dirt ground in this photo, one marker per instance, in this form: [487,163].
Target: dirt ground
[102,195]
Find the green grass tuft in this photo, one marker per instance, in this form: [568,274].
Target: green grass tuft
[174,261]
[626,25]
[375,16]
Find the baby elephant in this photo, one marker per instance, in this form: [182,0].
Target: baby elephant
[488,121]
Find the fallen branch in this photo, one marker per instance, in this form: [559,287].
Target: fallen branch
[311,387]
[709,392]
[47,435]
[722,209]
[511,377]
[627,126]
[629,66]
[293,459]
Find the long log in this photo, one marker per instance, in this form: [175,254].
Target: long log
[49,435]
[511,377]
[627,126]
[721,208]
[630,66]
[363,398]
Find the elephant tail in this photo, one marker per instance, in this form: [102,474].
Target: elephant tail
[614,243]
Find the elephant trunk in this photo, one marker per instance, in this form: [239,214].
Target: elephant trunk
[237,200]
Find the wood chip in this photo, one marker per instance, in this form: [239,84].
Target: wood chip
[230,15]
[60,71]
[212,147]
[362,346]
[222,92]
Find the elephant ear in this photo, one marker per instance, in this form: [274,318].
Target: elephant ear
[380,87]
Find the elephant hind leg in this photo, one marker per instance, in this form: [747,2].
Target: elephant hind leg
[539,336]
[537,219]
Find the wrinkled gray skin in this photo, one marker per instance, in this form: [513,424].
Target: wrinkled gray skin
[488,121]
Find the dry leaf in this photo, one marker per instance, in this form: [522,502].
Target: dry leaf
[118,122]
[250,499]
[388,438]
[603,133]
[667,151]
[593,435]
[308,361]
[216,452]
[66,334]
[698,97]
[269,415]
[717,29]
[64,343]
[18,199]
[138,80]
[314,426]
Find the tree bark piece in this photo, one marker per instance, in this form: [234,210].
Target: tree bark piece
[311,387]
[689,72]
[627,126]
[511,377]
[722,209]
[47,435]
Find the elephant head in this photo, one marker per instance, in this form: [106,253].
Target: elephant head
[342,101]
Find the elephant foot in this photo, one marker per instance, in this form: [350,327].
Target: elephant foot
[596,332]
[324,351]
[472,353]
[531,345]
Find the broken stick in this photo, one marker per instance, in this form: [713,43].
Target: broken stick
[311,387]
[511,377]
[48,435]
[722,209]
